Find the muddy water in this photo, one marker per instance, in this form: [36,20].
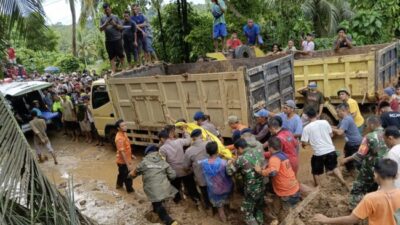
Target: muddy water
[94,171]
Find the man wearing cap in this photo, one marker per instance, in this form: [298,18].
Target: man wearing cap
[193,155]
[260,130]
[236,126]
[156,175]
[344,95]
[205,123]
[290,120]
[36,108]
[171,150]
[342,40]
[388,116]
[312,98]
[112,27]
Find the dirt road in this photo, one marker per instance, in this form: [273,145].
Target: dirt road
[93,170]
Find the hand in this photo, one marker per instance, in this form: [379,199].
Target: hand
[135,44]
[257,168]
[134,157]
[319,218]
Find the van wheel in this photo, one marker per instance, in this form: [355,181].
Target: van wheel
[329,118]
[112,132]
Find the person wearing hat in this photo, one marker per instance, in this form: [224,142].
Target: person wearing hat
[308,45]
[157,175]
[312,98]
[171,149]
[112,28]
[344,95]
[342,40]
[236,126]
[260,130]
[290,120]
[193,155]
[203,121]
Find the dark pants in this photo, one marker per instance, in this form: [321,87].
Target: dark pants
[190,187]
[122,178]
[130,50]
[206,199]
[161,212]
[349,150]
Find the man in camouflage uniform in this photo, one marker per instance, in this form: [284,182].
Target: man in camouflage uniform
[254,185]
[371,150]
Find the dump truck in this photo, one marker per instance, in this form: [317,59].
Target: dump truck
[146,98]
[365,71]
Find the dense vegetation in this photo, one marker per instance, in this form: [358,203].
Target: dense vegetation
[182,31]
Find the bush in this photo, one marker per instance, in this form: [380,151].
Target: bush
[68,63]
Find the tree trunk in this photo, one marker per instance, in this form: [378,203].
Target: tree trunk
[165,54]
[185,29]
[179,8]
[73,13]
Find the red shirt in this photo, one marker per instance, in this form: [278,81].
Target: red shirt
[289,147]
[233,43]
[11,53]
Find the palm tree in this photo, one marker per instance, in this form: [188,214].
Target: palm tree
[327,14]
[86,48]
[73,14]
[157,5]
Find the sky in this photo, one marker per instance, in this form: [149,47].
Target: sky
[58,10]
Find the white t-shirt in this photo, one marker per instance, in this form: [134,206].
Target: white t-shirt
[394,154]
[308,46]
[318,134]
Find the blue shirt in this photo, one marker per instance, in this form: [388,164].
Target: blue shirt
[352,135]
[38,112]
[294,124]
[251,33]
[139,19]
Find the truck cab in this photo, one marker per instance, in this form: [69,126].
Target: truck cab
[102,109]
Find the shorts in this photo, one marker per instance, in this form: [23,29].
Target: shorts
[349,150]
[327,161]
[85,126]
[149,44]
[141,42]
[115,49]
[219,30]
[71,125]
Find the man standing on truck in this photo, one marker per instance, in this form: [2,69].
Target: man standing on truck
[130,38]
[124,157]
[172,151]
[312,99]
[348,128]
[40,138]
[252,31]
[344,95]
[141,24]
[342,40]
[112,27]
[218,9]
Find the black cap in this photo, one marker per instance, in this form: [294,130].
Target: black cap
[195,133]
[106,5]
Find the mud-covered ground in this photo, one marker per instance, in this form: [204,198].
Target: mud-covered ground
[94,171]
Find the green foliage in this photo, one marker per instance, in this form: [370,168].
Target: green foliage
[324,43]
[200,38]
[36,35]
[68,63]
[36,60]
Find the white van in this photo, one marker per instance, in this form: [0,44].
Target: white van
[20,95]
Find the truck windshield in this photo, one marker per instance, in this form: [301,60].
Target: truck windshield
[100,96]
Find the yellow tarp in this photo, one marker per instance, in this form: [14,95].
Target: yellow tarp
[222,151]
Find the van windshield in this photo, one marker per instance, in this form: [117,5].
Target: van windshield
[99,96]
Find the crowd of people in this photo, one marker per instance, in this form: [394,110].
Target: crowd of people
[252,33]
[265,160]
[128,37]
[67,104]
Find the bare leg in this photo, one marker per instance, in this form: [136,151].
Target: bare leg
[216,45]
[316,180]
[54,157]
[223,44]
[122,62]
[339,175]
[113,66]
[221,214]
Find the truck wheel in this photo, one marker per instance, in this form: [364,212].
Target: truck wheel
[112,132]
[329,118]
[243,51]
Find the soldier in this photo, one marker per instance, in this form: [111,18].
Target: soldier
[249,157]
[371,150]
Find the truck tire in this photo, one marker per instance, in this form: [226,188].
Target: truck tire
[110,134]
[327,117]
[243,51]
